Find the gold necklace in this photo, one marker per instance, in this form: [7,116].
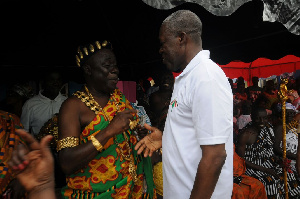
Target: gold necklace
[132,169]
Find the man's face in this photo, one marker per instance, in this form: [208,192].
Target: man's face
[53,83]
[261,118]
[290,115]
[170,50]
[104,71]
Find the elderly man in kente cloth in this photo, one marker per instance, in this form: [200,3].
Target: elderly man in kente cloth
[96,141]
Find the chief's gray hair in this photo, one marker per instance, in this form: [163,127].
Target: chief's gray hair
[184,21]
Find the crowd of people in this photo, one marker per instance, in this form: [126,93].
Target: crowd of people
[194,136]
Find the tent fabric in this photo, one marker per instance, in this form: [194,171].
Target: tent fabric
[261,67]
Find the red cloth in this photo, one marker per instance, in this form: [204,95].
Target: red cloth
[261,67]
[249,187]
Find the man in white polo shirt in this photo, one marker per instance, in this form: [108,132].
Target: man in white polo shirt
[198,137]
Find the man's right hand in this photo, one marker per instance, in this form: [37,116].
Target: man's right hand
[151,142]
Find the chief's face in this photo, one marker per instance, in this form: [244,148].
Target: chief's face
[170,50]
[104,71]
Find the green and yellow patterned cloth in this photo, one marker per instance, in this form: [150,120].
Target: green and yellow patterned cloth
[107,175]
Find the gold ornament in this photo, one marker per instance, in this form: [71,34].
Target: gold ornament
[84,52]
[96,143]
[133,124]
[92,49]
[98,45]
[67,142]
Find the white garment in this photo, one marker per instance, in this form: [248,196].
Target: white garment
[38,110]
[243,120]
[291,145]
[200,113]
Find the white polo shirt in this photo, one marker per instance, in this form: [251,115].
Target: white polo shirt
[200,113]
[38,110]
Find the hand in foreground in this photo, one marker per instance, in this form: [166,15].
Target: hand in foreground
[34,163]
[151,142]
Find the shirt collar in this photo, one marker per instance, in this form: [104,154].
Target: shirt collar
[46,99]
[203,54]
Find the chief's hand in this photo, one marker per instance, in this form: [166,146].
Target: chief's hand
[151,142]
[34,162]
[121,121]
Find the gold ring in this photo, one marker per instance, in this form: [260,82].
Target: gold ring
[132,124]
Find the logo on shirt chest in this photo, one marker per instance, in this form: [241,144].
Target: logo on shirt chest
[173,104]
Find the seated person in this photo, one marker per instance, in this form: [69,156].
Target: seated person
[244,186]
[291,135]
[255,145]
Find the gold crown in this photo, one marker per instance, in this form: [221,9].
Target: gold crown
[85,52]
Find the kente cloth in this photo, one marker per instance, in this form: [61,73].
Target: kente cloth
[107,175]
[8,142]
[244,185]
[291,145]
[262,153]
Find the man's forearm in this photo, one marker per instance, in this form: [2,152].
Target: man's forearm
[73,159]
[207,176]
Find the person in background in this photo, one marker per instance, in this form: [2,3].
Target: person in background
[271,94]
[16,96]
[256,146]
[40,108]
[240,94]
[245,186]
[291,135]
[231,84]
[254,91]
[197,152]
[245,116]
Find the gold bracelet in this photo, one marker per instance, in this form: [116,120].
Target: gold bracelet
[67,142]
[96,143]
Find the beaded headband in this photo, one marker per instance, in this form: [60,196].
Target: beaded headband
[85,52]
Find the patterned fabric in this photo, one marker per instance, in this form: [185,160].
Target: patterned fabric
[291,145]
[8,142]
[158,178]
[107,175]
[244,185]
[261,153]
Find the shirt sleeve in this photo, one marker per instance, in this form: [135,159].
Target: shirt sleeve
[25,117]
[212,112]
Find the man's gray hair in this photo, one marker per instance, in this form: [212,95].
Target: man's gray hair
[184,21]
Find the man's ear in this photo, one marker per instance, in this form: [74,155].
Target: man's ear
[182,37]
[87,69]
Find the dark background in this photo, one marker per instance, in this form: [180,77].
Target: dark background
[45,33]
